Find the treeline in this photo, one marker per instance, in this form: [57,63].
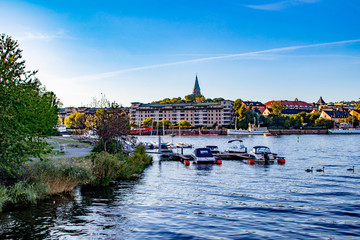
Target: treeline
[246,116]
[191,98]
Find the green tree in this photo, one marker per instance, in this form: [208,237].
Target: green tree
[164,122]
[324,123]
[185,124]
[218,99]
[357,106]
[199,99]
[277,107]
[244,115]
[190,98]
[353,120]
[237,104]
[281,122]
[28,113]
[147,122]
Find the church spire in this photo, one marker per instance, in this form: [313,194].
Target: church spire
[196,90]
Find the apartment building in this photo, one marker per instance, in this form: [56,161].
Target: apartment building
[198,114]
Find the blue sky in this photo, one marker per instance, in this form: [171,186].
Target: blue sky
[143,50]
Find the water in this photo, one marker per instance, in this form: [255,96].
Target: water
[230,201]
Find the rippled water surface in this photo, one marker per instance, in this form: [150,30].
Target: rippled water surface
[229,201]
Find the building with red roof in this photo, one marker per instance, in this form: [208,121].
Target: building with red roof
[296,104]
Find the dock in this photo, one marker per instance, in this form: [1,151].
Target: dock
[185,157]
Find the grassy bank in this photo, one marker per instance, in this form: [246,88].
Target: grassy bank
[58,176]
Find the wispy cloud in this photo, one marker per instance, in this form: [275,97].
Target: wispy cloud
[276,6]
[255,54]
[43,36]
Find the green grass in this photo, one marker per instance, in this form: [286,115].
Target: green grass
[57,141]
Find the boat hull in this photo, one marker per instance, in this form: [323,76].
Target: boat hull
[246,132]
[342,131]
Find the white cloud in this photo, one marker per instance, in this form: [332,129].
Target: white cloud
[276,6]
[37,35]
[255,54]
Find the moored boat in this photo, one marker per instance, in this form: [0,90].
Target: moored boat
[262,154]
[252,130]
[213,149]
[183,145]
[236,146]
[344,131]
[203,156]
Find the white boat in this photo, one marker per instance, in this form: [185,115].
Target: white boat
[183,145]
[236,146]
[262,154]
[203,155]
[344,131]
[252,130]
[213,149]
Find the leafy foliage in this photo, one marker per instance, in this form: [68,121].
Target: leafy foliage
[244,115]
[111,123]
[277,107]
[147,122]
[191,98]
[185,124]
[76,120]
[324,123]
[353,120]
[28,112]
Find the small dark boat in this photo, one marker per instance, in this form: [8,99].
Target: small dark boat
[213,149]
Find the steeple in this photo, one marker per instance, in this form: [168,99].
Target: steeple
[196,90]
[320,101]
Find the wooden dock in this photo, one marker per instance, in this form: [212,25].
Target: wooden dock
[218,156]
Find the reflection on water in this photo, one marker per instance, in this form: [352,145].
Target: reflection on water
[229,201]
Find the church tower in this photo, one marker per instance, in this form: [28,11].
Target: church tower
[196,90]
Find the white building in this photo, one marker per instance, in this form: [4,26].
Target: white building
[198,114]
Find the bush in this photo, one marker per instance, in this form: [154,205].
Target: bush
[135,164]
[25,192]
[105,168]
[3,196]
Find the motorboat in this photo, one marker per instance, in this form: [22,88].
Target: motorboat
[148,145]
[203,155]
[213,149]
[236,146]
[183,145]
[262,154]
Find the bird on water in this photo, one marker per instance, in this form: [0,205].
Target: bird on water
[320,169]
[351,169]
[309,169]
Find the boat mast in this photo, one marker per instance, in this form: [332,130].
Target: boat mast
[163,127]
[235,122]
